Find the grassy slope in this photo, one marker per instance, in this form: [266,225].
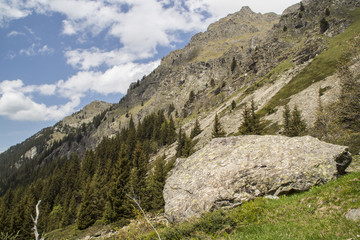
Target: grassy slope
[316,214]
[324,65]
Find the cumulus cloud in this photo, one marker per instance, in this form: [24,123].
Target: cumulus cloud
[10,10]
[17,101]
[90,58]
[114,80]
[140,26]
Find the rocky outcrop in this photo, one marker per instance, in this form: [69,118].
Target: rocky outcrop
[229,171]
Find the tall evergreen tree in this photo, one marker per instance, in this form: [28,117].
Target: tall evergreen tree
[185,145]
[156,183]
[294,125]
[348,113]
[196,130]
[287,121]
[91,207]
[251,122]
[171,136]
[138,173]
[218,130]
[118,205]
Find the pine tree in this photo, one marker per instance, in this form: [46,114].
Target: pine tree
[171,132]
[217,128]
[233,105]
[156,183]
[191,96]
[181,143]
[185,145]
[196,130]
[91,207]
[348,113]
[233,65]
[257,125]
[287,121]
[118,206]
[298,125]
[302,8]
[324,25]
[327,12]
[251,122]
[138,173]
[293,123]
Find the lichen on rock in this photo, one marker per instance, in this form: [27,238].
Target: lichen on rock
[229,171]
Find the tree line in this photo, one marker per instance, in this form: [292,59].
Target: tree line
[96,187]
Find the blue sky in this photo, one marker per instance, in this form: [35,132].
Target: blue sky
[56,56]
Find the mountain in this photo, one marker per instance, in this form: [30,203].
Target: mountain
[306,60]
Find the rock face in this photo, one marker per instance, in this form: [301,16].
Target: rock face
[228,171]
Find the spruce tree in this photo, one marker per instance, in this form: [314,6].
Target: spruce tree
[171,136]
[287,121]
[118,205]
[233,105]
[196,130]
[181,143]
[324,25]
[233,65]
[191,96]
[138,173]
[156,183]
[90,207]
[348,113]
[185,145]
[257,125]
[302,8]
[293,123]
[217,128]
[298,125]
[251,122]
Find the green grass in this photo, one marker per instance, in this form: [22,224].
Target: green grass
[271,76]
[324,65]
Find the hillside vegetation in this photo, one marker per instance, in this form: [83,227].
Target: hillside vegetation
[316,214]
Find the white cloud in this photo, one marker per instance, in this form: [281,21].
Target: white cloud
[45,50]
[89,58]
[114,80]
[36,49]
[15,33]
[17,104]
[17,101]
[141,26]
[11,10]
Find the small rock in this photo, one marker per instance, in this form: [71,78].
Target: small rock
[271,197]
[353,214]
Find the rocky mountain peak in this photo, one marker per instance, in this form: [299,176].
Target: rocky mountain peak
[86,114]
[234,25]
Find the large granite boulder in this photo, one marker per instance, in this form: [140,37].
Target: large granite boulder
[231,170]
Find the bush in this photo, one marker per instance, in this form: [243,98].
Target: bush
[249,212]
